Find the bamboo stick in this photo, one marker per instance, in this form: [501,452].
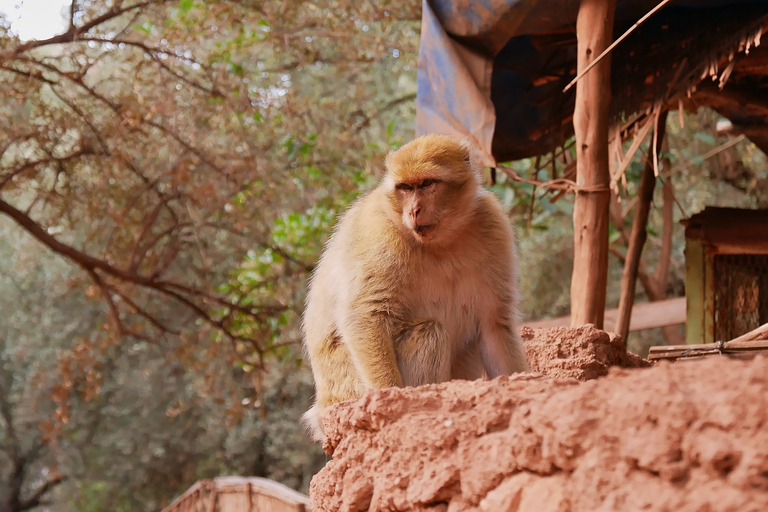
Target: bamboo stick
[639,233]
[753,341]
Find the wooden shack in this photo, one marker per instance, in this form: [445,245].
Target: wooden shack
[503,74]
[726,273]
[239,494]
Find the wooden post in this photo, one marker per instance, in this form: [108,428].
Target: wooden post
[639,233]
[694,291]
[594,30]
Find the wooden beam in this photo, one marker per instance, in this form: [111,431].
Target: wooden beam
[730,230]
[594,30]
[639,232]
[647,315]
[694,290]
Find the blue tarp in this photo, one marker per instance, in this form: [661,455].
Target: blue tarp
[494,70]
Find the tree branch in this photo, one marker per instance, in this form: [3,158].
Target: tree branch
[36,499]
[73,32]
[167,288]
[28,165]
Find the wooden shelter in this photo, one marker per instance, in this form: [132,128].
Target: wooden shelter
[726,273]
[239,494]
[499,73]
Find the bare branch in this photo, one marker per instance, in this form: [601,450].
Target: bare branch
[29,165]
[153,51]
[72,11]
[367,119]
[29,74]
[36,499]
[167,288]
[73,33]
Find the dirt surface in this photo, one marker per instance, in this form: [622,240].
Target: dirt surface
[582,353]
[692,436]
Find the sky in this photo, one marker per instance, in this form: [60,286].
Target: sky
[35,19]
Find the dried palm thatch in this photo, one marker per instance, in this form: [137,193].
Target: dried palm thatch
[679,57]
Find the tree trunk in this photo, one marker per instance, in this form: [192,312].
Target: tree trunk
[639,234]
[594,29]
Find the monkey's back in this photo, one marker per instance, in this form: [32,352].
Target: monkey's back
[331,289]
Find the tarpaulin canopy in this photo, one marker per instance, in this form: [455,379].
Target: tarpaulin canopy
[495,69]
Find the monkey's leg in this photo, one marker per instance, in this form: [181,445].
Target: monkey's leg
[502,350]
[468,363]
[423,353]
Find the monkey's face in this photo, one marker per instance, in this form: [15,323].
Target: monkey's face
[419,204]
[426,184]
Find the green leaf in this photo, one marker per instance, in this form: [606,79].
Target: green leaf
[390,129]
[146,27]
[705,137]
[186,5]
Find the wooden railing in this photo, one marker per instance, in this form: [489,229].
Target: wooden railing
[647,315]
[239,494]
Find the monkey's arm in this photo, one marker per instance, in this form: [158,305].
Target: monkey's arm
[502,350]
[370,341]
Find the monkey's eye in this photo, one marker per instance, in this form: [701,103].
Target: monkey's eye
[403,186]
[429,182]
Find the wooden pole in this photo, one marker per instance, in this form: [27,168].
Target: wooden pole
[594,30]
[639,233]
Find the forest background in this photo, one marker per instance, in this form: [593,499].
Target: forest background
[169,171]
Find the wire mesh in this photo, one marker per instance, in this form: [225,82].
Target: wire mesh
[741,294]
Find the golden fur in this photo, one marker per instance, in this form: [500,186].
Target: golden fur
[416,284]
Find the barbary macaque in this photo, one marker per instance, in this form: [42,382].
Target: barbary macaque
[417,283]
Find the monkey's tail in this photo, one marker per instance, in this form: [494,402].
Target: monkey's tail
[311,421]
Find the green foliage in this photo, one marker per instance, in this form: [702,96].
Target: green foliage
[200,152]
[278,272]
[207,148]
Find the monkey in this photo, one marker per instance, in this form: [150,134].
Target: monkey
[416,284]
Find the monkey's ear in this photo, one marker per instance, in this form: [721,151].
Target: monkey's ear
[468,148]
[388,161]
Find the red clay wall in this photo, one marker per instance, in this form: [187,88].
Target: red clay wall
[692,436]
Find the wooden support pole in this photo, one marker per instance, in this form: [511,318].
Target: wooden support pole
[594,30]
[639,233]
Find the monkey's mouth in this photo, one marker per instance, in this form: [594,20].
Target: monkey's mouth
[423,229]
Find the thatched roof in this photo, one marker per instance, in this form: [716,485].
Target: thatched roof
[498,72]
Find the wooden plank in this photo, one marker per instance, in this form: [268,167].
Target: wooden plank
[594,31]
[263,487]
[639,232]
[709,295]
[694,291]
[647,315]
[730,230]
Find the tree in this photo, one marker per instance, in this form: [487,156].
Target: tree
[155,148]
